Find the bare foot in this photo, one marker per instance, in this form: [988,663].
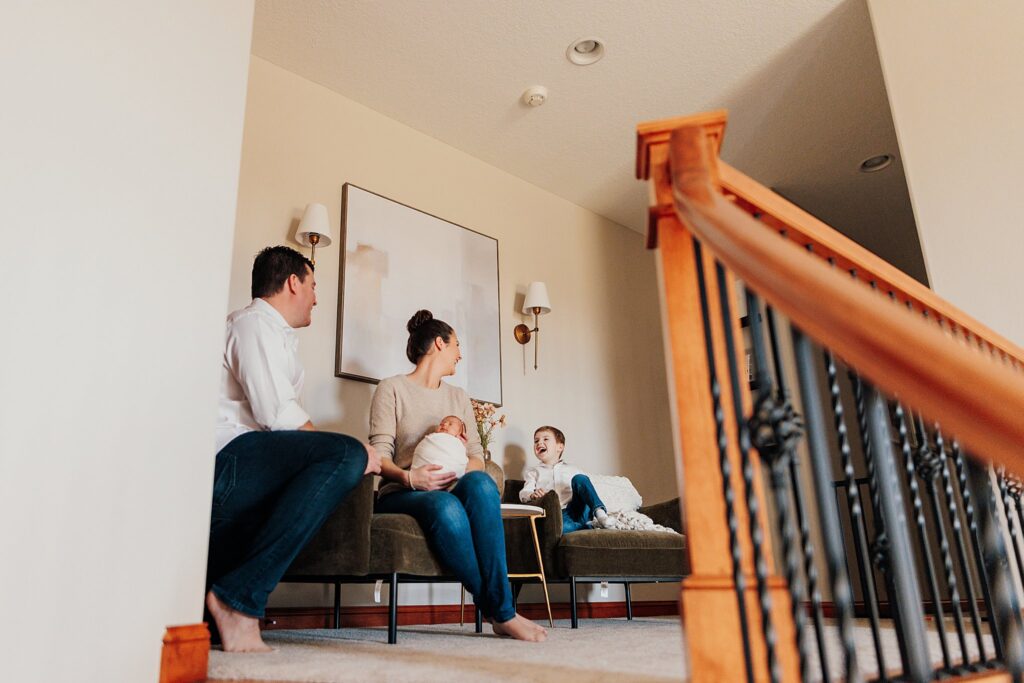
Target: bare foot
[238,632]
[520,628]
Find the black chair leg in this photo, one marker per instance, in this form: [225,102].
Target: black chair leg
[337,604]
[393,610]
[479,620]
[629,603]
[573,616]
[516,589]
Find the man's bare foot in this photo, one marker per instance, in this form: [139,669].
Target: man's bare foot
[520,628]
[238,632]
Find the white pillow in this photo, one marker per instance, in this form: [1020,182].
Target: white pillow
[617,493]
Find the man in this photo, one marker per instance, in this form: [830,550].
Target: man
[276,478]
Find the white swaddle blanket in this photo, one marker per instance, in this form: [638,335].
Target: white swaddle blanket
[441,449]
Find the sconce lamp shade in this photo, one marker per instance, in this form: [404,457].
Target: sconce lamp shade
[536,297]
[314,221]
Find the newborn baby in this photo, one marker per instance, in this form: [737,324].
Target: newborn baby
[445,447]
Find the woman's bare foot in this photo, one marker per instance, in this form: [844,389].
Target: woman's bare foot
[238,632]
[520,628]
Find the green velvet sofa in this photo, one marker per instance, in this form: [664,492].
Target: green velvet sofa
[598,555]
[355,545]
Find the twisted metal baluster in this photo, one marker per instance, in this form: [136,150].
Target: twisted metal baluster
[831,530]
[880,546]
[810,566]
[932,462]
[954,522]
[922,529]
[747,469]
[1004,604]
[775,432]
[1010,522]
[722,440]
[1015,488]
[928,465]
[975,537]
[860,541]
[910,617]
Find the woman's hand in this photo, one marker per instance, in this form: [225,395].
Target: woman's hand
[538,494]
[429,478]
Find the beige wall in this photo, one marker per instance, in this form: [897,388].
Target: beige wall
[601,376]
[956,87]
[119,166]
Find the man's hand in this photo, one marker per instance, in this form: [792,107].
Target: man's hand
[430,478]
[372,460]
[538,494]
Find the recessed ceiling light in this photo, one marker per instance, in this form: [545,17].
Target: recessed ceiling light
[585,51]
[876,163]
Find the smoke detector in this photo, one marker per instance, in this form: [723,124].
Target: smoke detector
[535,96]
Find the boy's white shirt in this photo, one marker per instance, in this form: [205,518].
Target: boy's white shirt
[556,477]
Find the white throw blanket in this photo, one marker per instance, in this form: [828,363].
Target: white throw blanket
[622,500]
[442,449]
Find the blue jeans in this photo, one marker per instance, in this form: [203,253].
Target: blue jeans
[272,491]
[464,529]
[585,501]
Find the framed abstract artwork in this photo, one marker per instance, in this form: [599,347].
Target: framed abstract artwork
[396,260]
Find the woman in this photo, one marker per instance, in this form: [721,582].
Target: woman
[463,526]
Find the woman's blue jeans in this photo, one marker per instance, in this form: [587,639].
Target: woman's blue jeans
[272,491]
[464,529]
[585,501]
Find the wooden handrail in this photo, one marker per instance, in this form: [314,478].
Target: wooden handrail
[976,394]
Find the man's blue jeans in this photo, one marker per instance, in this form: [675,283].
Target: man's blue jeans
[272,491]
[580,510]
[464,529]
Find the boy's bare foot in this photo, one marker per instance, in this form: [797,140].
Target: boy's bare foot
[238,632]
[520,628]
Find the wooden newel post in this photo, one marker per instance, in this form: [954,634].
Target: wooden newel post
[709,606]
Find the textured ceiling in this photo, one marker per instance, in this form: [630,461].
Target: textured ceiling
[800,79]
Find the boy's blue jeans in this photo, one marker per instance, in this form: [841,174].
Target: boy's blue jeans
[585,501]
[463,527]
[272,491]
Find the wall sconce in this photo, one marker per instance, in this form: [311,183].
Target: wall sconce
[536,302]
[314,229]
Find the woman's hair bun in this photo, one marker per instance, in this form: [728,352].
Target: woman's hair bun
[418,318]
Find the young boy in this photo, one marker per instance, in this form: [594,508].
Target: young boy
[445,446]
[581,506]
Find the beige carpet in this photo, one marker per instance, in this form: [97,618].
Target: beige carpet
[645,650]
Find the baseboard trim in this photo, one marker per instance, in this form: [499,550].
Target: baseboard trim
[185,655]
[416,615]
[860,609]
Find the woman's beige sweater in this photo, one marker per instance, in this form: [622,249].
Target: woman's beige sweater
[403,412]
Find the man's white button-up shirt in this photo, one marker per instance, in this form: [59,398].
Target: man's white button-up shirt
[261,377]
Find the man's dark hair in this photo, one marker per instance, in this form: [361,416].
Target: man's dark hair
[559,436]
[424,328]
[272,268]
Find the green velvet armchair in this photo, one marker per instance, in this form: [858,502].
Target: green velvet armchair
[597,555]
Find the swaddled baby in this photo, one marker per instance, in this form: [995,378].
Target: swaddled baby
[445,447]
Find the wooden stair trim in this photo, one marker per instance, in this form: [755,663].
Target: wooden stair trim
[186,654]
